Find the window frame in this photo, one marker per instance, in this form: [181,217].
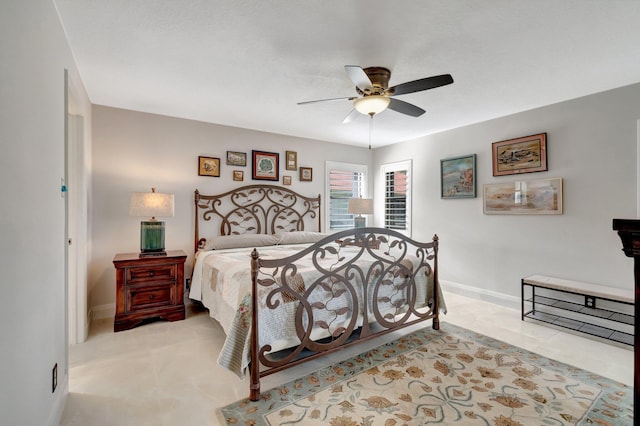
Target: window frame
[396,167]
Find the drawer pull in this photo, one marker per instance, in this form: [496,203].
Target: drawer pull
[151,273]
[151,297]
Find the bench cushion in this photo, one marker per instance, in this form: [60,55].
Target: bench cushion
[611,293]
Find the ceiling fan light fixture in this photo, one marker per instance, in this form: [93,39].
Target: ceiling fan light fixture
[372,104]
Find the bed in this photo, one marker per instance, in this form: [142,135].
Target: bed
[316,292]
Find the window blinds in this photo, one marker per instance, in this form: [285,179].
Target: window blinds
[395,200]
[343,184]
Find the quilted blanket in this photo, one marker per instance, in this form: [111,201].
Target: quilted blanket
[222,281]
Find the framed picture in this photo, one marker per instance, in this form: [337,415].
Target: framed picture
[265,165]
[235,158]
[292,160]
[286,180]
[458,177]
[238,175]
[208,166]
[537,196]
[306,174]
[522,155]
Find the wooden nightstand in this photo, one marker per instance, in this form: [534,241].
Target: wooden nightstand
[148,287]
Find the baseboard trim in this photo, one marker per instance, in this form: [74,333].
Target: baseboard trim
[60,400]
[107,310]
[482,294]
[87,325]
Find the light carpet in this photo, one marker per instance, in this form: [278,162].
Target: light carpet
[450,376]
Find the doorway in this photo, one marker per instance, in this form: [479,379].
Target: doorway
[74,187]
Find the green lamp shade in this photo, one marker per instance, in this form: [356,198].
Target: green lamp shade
[152,236]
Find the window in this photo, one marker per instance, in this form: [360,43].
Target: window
[344,181]
[397,196]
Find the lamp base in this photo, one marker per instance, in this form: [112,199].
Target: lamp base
[152,253]
[359,222]
[152,238]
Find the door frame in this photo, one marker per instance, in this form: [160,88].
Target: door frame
[74,189]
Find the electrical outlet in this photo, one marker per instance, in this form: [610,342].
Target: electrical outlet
[54,378]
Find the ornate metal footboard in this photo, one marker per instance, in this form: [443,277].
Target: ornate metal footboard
[345,289]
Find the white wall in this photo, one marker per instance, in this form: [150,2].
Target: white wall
[134,151]
[33,56]
[591,145]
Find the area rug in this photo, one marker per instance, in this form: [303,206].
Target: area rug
[450,376]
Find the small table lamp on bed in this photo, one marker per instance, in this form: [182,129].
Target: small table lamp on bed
[152,204]
[360,206]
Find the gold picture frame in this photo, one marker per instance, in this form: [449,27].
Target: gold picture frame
[291,160]
[527,154]
[238,175]
[208,166]
[286,180]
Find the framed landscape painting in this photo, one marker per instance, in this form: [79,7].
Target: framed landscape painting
[235,158]
[537,196]
[522,155]
[265,165]
[458,177]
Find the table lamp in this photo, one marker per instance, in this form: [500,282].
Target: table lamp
[151,204]
[360,206]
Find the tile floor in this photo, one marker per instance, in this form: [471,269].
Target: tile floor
[166,374]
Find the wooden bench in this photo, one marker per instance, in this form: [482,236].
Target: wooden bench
[600,311]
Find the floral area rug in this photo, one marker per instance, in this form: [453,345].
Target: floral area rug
[450,376]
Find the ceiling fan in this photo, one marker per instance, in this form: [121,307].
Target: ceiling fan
[375,95]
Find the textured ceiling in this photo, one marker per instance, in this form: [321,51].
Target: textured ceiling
[247,63]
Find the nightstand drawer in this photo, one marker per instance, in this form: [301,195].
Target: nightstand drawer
[148,297]
[154,273]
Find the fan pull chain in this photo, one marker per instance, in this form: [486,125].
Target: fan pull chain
[370,128]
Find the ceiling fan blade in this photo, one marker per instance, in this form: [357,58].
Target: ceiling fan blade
[351,116]
[419,85]
[405,108]
[359,77]
[349,98]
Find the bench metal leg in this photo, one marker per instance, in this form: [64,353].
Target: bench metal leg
[522,300]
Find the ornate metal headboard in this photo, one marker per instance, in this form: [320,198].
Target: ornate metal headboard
[256,209]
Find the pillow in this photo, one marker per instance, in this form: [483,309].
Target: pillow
[244,240]
[300,237]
